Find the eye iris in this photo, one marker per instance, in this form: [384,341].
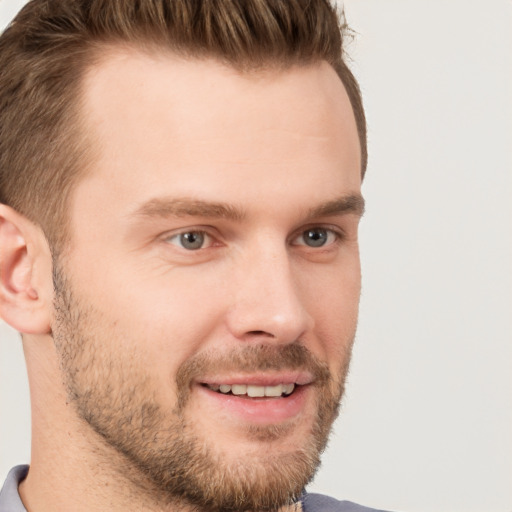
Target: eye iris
[192,240]
[315,237]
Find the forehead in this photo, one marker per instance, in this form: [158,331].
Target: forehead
[122,75]
[158,120]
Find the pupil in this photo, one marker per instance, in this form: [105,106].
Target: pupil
[315,237]
[192,240]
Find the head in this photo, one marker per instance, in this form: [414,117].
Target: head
[187,175]
[46,51]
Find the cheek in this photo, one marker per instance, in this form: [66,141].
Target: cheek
[170,319]
[333,301]
[333,287]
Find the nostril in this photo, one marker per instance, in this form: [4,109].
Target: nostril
[261,333]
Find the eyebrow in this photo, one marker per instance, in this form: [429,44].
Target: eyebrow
[346,204]
[186,207]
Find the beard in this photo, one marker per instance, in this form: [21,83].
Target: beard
[162,453]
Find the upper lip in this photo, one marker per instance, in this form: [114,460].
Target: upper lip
[300,378]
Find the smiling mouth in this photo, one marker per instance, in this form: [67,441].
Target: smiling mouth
[252,391]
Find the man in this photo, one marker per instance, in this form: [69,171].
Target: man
[181,191]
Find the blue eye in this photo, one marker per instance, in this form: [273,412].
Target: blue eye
[190,240]
[316,237]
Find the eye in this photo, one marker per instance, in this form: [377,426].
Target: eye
[316,237]
[191,240]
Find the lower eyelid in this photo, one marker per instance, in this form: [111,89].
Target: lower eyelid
[209,240]
[335,235]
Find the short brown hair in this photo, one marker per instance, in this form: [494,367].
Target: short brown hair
[47,48]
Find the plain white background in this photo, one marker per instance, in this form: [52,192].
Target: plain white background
[426,425]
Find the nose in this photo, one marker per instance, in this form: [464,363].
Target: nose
[268,303]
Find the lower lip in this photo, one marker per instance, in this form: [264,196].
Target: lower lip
[261,411]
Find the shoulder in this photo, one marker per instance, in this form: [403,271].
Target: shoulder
[9,498]
[321,503]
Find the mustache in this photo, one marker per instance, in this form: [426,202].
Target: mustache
[250,358]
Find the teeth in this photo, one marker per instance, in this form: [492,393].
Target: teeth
[288,389]
[274,390]
[255,391]
[239,389]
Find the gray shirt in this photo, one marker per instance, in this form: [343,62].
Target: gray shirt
[10,500]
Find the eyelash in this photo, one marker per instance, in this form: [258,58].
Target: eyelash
[334,236]
[201,232]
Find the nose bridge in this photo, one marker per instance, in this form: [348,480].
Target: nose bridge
[267,297]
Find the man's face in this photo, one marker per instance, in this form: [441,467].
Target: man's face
[207,305]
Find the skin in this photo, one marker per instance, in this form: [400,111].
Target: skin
[251,161]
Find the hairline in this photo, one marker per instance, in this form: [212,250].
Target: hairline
[99,52]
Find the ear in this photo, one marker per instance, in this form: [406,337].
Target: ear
[26,289]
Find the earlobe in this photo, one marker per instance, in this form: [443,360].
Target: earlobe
[23,295]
